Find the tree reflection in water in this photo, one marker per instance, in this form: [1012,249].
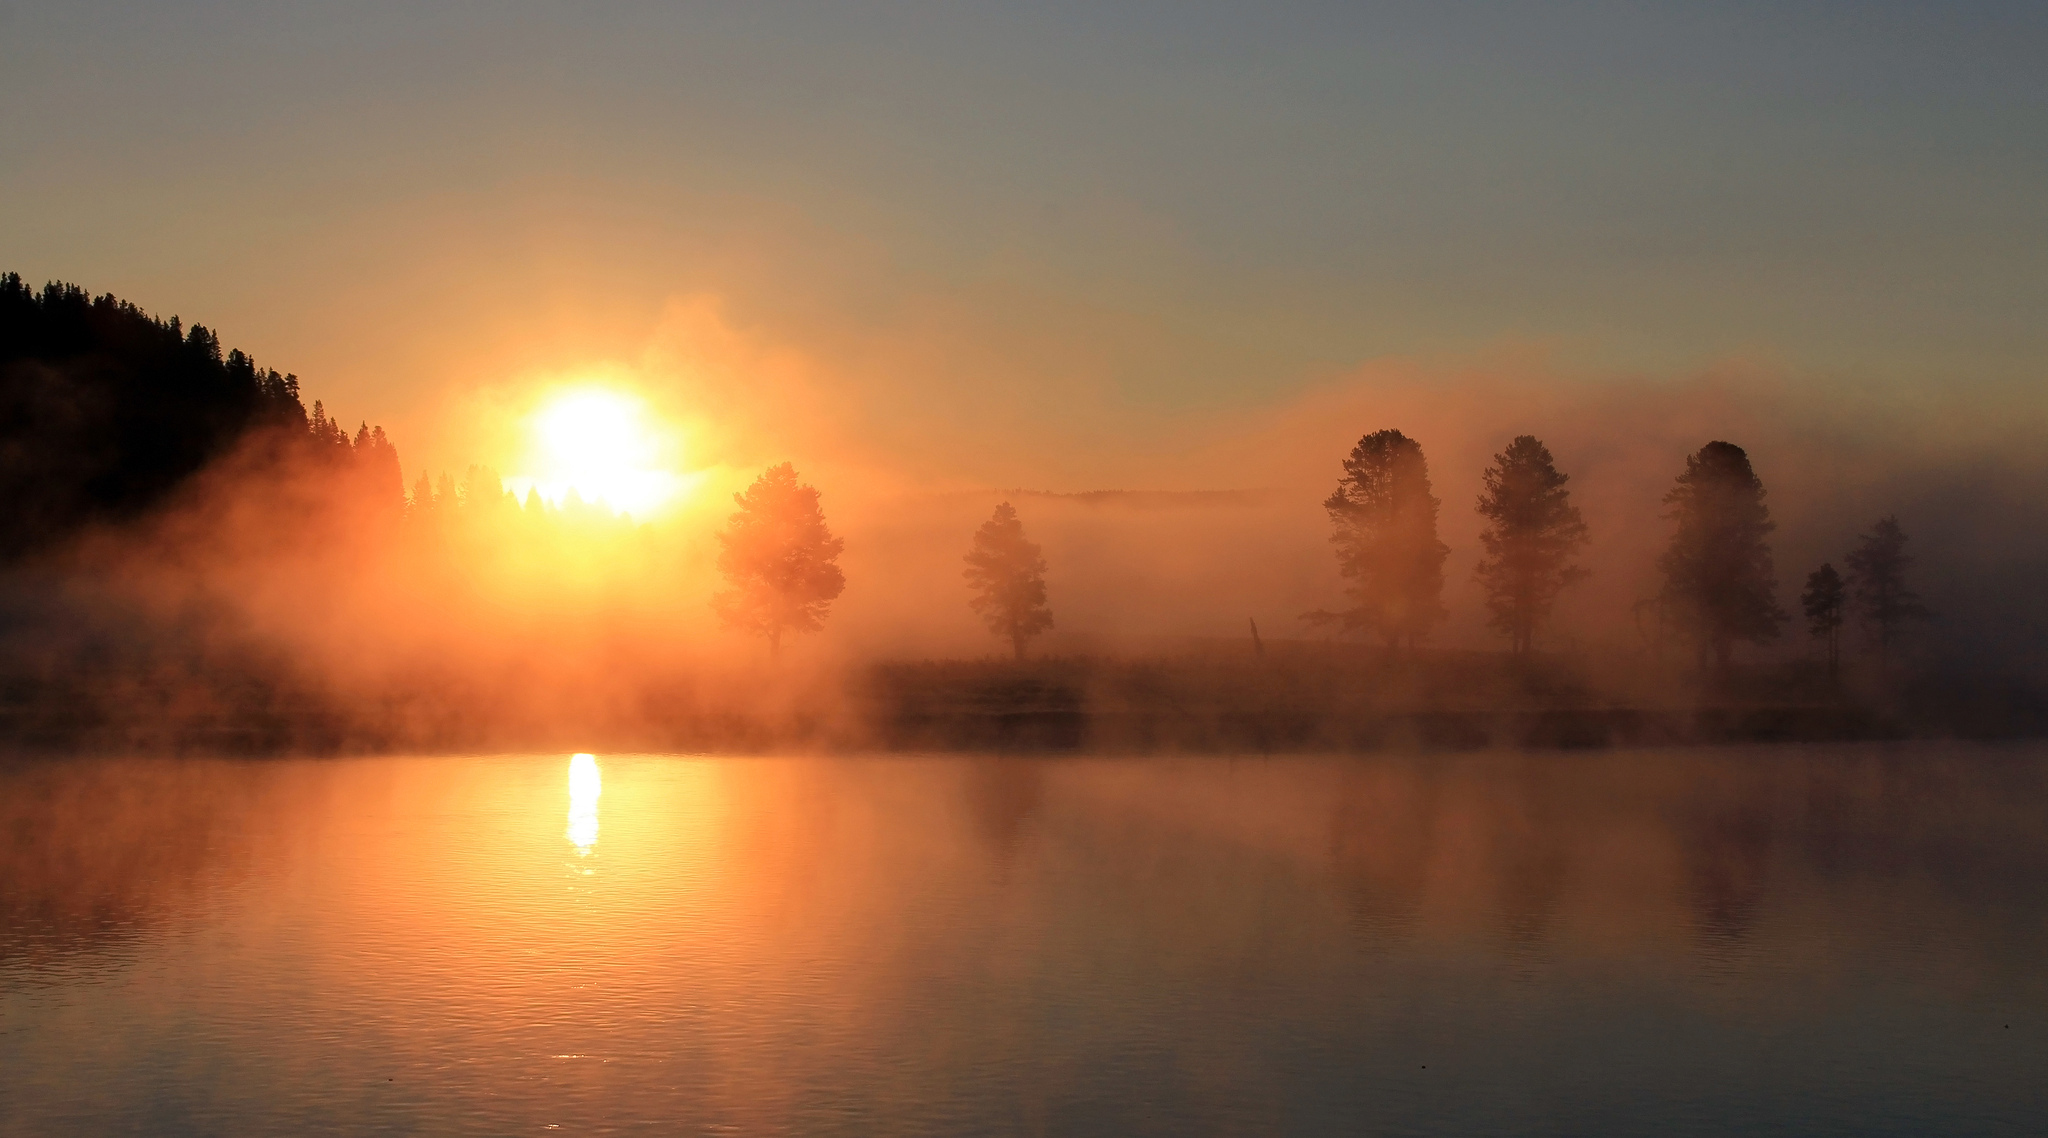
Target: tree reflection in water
[1088,944]
[95,853]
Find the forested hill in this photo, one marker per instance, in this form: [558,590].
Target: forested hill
[105,410]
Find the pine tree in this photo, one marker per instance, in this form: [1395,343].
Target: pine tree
[1718,579]
[1825,601]
[372,473]
[1007,575]
[1384,517]
[422,497]
[779,559]
[1535,531]
[1877,586]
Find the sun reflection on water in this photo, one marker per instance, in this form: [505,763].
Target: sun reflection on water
[585,784]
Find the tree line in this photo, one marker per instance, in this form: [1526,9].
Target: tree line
[105,410]
[1719,582]
[780,563]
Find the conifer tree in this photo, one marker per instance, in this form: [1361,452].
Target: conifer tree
[1533,534]
[1824,603]
[1877,586]
[422,497]
[105,410]
[1718,579]
[779,560]
[1007,575]
[374,472]
[1384,517]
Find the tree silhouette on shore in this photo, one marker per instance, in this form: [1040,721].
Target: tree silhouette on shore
[1384,519]
[1877,586]
[1535,531]
[779,560]
[1824,602]
[1007,575]
[1718,578]
[106,410]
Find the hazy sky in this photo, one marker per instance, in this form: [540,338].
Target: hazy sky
[1009,235]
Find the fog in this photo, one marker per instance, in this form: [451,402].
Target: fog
[1230,525]
[475,620]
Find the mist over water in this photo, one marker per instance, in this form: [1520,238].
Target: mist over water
[268,584]
[1064,569]
[493,627]
[1833,940]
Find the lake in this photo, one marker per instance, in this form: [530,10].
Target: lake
[1768,940]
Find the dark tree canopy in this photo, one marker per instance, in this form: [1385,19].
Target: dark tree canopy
[1533,533]
[375,467]
[1877,585]
[779,560]
[1719,583]
[1824,602]
[105,410]
[1007,576]
[1384,517]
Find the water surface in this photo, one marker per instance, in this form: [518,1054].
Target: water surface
[1795,940]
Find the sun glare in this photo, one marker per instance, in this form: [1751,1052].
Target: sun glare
[608,446]
[586,783]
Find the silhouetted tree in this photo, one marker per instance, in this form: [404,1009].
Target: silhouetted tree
[104,409]
[378,479]
[1535,531]
[1718,577]
[1824,602]
[1008,578]
[1877,586]
[325,431]
[1384,517]
[423,498]
[779,559]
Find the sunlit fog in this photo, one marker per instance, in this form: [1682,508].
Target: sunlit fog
[867,568]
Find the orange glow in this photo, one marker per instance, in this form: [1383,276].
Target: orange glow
[606,445]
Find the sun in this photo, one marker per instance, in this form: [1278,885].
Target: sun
[591,432]
[605,444]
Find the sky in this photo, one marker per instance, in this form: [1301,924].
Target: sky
[1038,244]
